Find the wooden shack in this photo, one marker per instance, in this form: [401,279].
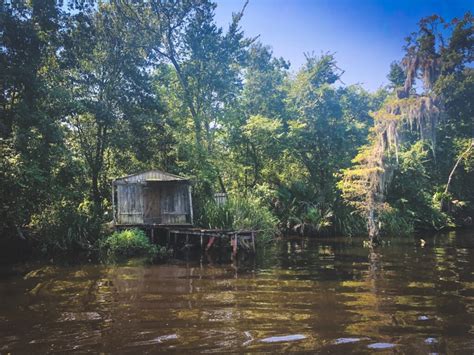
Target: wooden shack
[152,198]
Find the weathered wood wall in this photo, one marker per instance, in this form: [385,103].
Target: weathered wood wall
[129,204]
[175,204]
[154,203]
[152,197]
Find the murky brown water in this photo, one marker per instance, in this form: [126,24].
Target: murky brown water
[323,295]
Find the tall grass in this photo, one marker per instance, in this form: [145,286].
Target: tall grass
[240,213]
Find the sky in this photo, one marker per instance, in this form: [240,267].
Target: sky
[365,35]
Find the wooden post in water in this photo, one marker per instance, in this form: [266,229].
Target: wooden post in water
[253,241]
[235,242]
[220,242]
[186,248]
[210,242]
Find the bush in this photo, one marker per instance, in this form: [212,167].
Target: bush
[240,213]
[128,243]
[349,222]
[64,228]
[394,223]
[308,219]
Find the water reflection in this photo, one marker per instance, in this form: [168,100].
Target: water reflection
[298,295]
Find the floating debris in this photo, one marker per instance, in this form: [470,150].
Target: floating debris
[284,338]
[249,337]
[431,341]
[381,346]
[157,340]
[347,340]
[423,318]
[80,316]
[44,271]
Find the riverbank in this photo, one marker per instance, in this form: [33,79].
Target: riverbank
[16,250]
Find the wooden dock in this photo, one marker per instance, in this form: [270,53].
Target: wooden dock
[204,238]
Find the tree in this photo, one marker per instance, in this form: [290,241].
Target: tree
[408,117]
[256,124]
[206,60]
[396,75]
[111,86]
[31,106]
[317,134]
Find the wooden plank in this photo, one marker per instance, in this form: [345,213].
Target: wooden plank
[113,204]
[129,204]
[141,202]
[190,202]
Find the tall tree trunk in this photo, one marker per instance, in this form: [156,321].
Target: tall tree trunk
[96,169]
[373,227]
[96,199]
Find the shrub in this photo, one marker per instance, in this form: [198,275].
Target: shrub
[240,213]
[63,228]
[310,219]
[217,216]
[395,223]
[128,243]
[349,222]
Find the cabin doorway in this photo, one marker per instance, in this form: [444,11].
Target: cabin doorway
[152,203]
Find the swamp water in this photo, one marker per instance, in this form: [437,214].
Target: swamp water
[319,295]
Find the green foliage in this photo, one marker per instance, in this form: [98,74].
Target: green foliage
[128,243]
[311,219]
[96,90]
[217,216]
[412,147]
[396,75]
[62,228]
[240,213]
[348,222]
[266,79]
[329,124]
[412,193]
[395,224]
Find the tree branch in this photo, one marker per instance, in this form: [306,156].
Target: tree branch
[461,157]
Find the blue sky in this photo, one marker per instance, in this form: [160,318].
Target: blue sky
[365,35]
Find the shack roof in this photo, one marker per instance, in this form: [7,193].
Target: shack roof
[150,175]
